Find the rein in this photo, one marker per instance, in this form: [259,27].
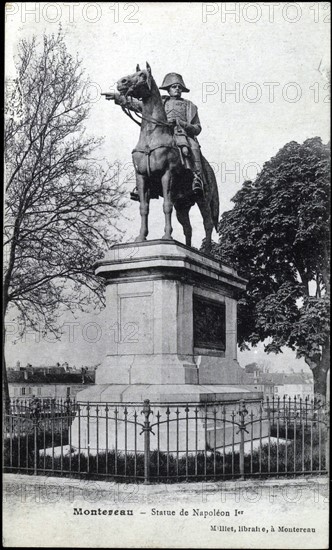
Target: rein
[128,113]
[126,110]
[148,119]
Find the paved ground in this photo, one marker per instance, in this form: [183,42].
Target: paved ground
[48,511]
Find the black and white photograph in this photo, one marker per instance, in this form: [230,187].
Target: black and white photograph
[166,283]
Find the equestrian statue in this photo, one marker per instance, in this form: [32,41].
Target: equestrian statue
[167,158]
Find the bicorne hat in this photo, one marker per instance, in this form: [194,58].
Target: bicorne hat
[173,78]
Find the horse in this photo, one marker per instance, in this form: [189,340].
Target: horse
[158,165]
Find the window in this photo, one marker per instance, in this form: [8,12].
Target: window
[22,391]
[38,391]
[68,391]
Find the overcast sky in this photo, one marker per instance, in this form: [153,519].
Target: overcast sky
[257,72]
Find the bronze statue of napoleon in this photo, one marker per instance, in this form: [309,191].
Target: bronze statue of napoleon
[167,158]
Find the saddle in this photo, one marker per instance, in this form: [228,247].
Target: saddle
[181,142]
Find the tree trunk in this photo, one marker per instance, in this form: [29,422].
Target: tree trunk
[5,388]
[319,371]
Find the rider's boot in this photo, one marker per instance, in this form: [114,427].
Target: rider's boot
[134,195]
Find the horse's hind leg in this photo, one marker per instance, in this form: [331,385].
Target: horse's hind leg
[182,215]
[207,221]
[144,198]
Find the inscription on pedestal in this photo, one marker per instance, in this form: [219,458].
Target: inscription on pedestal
[209,324]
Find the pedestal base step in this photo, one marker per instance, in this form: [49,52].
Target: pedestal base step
[166,393]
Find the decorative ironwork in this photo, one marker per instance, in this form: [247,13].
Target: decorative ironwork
[168,441]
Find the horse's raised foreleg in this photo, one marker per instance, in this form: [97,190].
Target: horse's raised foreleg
[207,221]
[144,199]
[167,206]
[182,215]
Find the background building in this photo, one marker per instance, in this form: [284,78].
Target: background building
[48,381]
[290,385]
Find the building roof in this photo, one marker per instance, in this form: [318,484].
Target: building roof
[49,378]
[283,378]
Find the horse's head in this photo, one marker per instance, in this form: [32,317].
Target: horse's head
[138,84]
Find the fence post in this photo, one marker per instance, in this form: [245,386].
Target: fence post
[242,428]
[146,430]
[35,408]
[35,447]
[268,414]
[327,443]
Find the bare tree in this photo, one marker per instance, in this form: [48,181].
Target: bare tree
[62,205]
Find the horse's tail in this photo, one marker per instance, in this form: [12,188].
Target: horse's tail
[215,207]
[213,188]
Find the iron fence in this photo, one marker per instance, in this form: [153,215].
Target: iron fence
[168,441]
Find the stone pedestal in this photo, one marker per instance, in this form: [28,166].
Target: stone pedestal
[171,327]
